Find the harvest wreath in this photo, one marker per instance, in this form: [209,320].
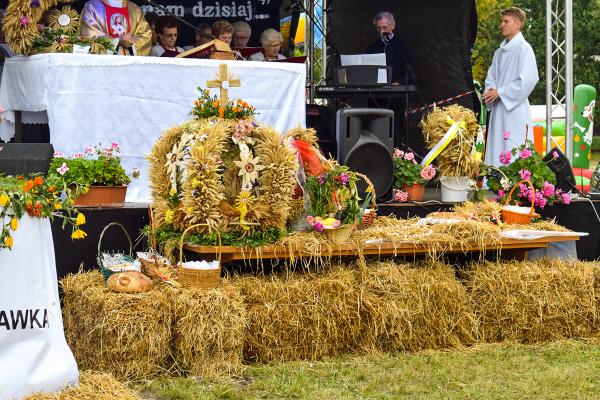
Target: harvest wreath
[222,170]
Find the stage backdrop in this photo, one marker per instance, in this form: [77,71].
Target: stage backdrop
[440,35]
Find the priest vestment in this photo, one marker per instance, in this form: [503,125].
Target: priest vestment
[110,19]
[513,74]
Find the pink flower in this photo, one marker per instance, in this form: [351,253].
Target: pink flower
[58,154]
[78,155]
[525,174]
[62,169]
[409,156]
[89,150]
[525,153]
[555,154]
[505,157]
[310,219]
[114,146]
[400,196]
[318,227]
[540,200]
[24,20]
[501,194]
[506,135]
[398,153]
[566,198]
[547,189]
[524,191]
[428,172]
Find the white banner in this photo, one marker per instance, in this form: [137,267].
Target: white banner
[34,356]
[93,99]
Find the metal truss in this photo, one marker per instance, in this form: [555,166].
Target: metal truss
[559,68]
[316,29]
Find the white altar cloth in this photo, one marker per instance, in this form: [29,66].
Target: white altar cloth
[93,99]
[34,356]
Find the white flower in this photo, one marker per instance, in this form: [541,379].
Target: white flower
[248,168]
[62,169]
[505,182]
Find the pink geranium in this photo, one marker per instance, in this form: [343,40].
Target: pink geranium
[114,145]
[506,135]
[501,194]
[566,198]
[59,154]
[318,227]
[63,169]
[540,200]
[525,174]
[547,189]
[398,153]
[555,154]
[524,191]
[89,150]
[525,153]
[505,157]
[409,156]
[77,155]
[428,172]
[400,196]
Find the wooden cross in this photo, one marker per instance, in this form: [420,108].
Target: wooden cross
[224,80]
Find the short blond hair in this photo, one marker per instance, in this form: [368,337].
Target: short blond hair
[221,26]
[516,13]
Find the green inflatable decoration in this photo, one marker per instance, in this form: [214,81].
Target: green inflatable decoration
[584,100]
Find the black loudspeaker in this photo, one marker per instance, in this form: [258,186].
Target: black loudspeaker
[365,139]
[25,158]
[561,167]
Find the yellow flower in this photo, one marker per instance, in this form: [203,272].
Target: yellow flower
[14,223]
[8,241]
[80,220]
[172,192]
[57,206]
[169,216]
[78,234]
[4,199]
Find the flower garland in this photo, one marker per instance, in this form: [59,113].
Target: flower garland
[38,197]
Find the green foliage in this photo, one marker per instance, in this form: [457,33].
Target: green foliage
[168,233]
[57,41]
[334,194]
[212,107]
[94,167]
[408,172]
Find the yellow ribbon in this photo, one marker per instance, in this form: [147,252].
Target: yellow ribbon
[450,134]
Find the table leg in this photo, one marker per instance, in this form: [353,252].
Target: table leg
[18,138]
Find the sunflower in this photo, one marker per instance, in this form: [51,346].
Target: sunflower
[248,168]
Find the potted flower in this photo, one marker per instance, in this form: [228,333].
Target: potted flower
[410,177]
[95,175]
[524,164]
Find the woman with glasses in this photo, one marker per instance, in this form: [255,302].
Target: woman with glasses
[167,28]
[271,41]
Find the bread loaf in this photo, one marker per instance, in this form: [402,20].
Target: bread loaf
[129,282]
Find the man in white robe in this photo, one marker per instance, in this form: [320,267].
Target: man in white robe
[510,79]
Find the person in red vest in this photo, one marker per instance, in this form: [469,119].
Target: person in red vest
[167,28]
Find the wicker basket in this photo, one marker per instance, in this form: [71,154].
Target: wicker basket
[341,234]
[511,217]
[111,263]
[368,219]
[154,265]
[194,278]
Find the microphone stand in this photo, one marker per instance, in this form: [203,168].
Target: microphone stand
[414,78]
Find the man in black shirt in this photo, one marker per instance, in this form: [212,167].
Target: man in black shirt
[397,56]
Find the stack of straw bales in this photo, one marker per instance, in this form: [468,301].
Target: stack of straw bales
[531,302]
[126,334]
[412,309]
[92,386]
[301,317]
[209,330]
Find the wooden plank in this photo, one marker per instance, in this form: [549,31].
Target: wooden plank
[231,253]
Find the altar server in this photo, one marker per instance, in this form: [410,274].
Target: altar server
[122,21]
[510,79]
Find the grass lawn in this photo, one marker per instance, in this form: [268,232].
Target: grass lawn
[562,370]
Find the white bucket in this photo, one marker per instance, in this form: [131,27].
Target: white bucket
[454,188]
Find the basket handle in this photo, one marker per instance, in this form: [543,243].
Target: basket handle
[152,233]
[219,251]
[532,211]
[124,231]
[369,187]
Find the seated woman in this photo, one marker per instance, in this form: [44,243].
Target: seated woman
[223,31]
[271,41]
[167,28]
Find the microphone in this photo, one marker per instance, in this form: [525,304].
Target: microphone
[292,6]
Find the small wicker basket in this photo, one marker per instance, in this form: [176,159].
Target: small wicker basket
[111,263]
[196,278]
[341,234]
[154,265]
[368,218]
[511,217]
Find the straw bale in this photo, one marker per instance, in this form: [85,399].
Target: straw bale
[92,386]
[208,330]
[301,317]
[596,271]
[532,301]
[127,335]
[417,307]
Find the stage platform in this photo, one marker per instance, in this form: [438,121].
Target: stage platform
[579,216]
